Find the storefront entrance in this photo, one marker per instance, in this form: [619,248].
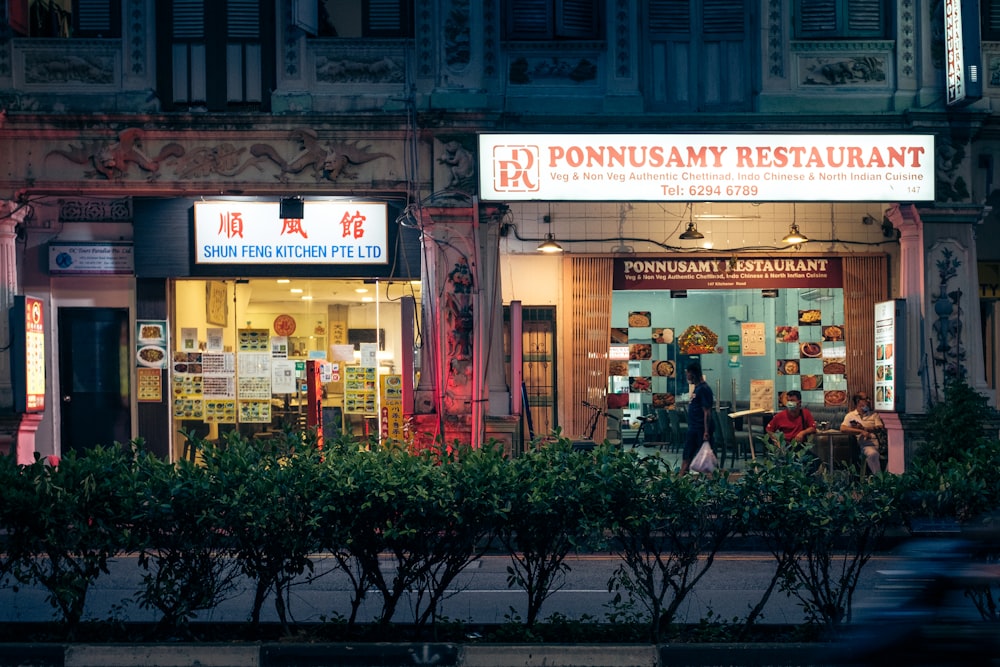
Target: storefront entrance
[94,373]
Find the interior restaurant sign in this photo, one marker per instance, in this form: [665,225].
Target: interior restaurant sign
[235,232]
[657,273]
[706,167]
[27,330]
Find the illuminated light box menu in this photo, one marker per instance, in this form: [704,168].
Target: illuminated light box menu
[27,328]
[889,348]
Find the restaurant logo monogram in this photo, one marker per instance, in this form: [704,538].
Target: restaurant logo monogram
[516,168]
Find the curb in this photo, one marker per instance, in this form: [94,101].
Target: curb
[411,655]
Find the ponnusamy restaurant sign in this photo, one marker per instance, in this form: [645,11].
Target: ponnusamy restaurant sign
[706,167]
[681,273]
[233,232]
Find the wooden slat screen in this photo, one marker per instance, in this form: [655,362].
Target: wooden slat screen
[866,282]
[587,342]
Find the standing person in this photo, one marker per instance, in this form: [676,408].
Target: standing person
[795,421]
[699,415]
[863,422]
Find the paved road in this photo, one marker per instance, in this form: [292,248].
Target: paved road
[733,584]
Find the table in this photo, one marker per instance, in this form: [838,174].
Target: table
[747,413]
[829,433]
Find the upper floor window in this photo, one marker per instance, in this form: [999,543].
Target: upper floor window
[836,19]
[365,18]
[65,18]
[990,20]
[552,19]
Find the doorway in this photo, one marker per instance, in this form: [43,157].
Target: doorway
[94,377]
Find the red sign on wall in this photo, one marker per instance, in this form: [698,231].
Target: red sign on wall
[28,354]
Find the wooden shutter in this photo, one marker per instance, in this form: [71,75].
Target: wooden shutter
[866,282]
[670,16]
[588,338]
[865,17]
[96,18]
[576,19]
[724,17]
[387,18]
[817,18]
[990,20]
[529,19]
[840,18]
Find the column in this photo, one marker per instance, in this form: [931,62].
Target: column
[907,220]
[12,215]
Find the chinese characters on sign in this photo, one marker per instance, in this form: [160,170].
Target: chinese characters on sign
[28,354]
[328,233]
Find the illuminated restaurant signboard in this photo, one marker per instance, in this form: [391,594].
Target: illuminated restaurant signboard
[963,49]
[27,328]
[890,322]
[706,167]
[232,232]
[659,273]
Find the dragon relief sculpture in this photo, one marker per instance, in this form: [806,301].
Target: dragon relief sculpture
[113,160]
[331,161]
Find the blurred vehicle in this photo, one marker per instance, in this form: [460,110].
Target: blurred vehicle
[937,606]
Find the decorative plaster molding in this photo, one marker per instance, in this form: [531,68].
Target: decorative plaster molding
[906,37]
[490,42]
[861,46]
[623,39]
[424,25]
[95,210]
[775,38]
[137,21]
[349,66]
[457,36]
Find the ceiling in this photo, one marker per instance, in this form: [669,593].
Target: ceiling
[327,291]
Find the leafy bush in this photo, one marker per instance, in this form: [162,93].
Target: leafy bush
[65,523]
[667,530]
[183,548]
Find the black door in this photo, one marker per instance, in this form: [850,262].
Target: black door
[94,374]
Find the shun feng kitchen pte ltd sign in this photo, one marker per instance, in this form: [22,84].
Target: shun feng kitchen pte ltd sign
[706,167]
[232,232]
[656,273]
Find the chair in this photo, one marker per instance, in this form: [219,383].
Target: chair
[676,437]
[665,433]
[725,442]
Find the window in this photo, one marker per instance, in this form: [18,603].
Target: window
[217,54]
[830,19]
[990,20]
[552,19]
[65,18]
[699,54]
[365,18]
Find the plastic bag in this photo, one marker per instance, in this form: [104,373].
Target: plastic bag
[705,460]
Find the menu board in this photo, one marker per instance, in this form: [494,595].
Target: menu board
[391,406]
[359,390]
[28,354]
[752,334]
[889,340]
[762,395]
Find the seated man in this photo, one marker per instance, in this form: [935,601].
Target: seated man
[795,421]
[863,423]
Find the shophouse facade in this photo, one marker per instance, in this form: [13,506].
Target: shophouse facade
[142,141]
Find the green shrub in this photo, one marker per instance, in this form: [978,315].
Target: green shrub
[64,523]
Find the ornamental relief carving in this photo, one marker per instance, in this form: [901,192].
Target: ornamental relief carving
[126,157]
[43,67]
[843,71]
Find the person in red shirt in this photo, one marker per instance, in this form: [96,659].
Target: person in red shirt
[795,421]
